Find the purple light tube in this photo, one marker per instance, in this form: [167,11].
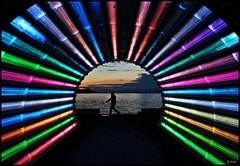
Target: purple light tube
[11,76]
[230,76]
[215,27]
[230,59]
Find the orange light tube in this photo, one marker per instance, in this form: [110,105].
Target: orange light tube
[214,130]
[24,130]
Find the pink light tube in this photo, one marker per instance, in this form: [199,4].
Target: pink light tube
[11,76]
[205,80]
[162,6]
[62,14]
[33,154]
[218,25]
[230,59]
[141,17]
[112,21]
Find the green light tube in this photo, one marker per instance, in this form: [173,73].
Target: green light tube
[24,144]
[14,60]
[211,116]
[225,42]
[208,156]
[212,143]
[7,38]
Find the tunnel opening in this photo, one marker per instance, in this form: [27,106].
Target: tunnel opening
[189,50]
[134,89]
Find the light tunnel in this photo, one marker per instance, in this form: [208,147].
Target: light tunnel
[50,47]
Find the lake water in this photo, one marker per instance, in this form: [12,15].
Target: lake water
[127,103]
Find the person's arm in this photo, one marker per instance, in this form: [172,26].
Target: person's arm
[108,100]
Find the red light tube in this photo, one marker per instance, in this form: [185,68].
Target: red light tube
[30,156]
[162,6]
[142,12]
[112,22]
[62,14]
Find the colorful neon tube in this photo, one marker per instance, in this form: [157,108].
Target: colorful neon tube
[14,60]
[27,129]
[208,156]
[81,14]
[234,91]
[12,76]
[212,129]
[225,42]
[32,115]
[112,5]
[33,154]
[38,14]
[210,116]
[230,76]
[12,91]
[142,12]
[212,29]
[172,22]
[11,40]
[210,142]
[12,105]
[62,14]
[24,144]
[228,60]
[197,18]
[229,106]
[162,6]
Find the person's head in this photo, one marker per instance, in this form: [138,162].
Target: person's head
[112,92]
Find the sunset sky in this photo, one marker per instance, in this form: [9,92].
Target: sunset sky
[120,77]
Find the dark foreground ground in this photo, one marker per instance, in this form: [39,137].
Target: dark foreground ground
[119,144]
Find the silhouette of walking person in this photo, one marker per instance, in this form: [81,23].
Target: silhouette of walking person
[113,103]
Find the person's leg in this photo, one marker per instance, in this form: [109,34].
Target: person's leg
[110,112]
[116,110]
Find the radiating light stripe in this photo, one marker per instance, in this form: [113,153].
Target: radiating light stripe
[210,142]
[208,156]
[20,118]
[26,143]
[33,154]
[210,91]
[229,106]
[14,60]
[210,116]
[12,76]
[27,129]
[212,129]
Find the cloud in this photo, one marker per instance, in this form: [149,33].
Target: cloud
[144,83]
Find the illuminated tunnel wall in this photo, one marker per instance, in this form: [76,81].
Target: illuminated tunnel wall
[191,53]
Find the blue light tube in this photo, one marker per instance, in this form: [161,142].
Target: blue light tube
[25,27]
[198,17]
[6,106]
[49,25]
[80,12]
[230,106]
[10,91]
[96,11]
[210,91]
[32,115]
